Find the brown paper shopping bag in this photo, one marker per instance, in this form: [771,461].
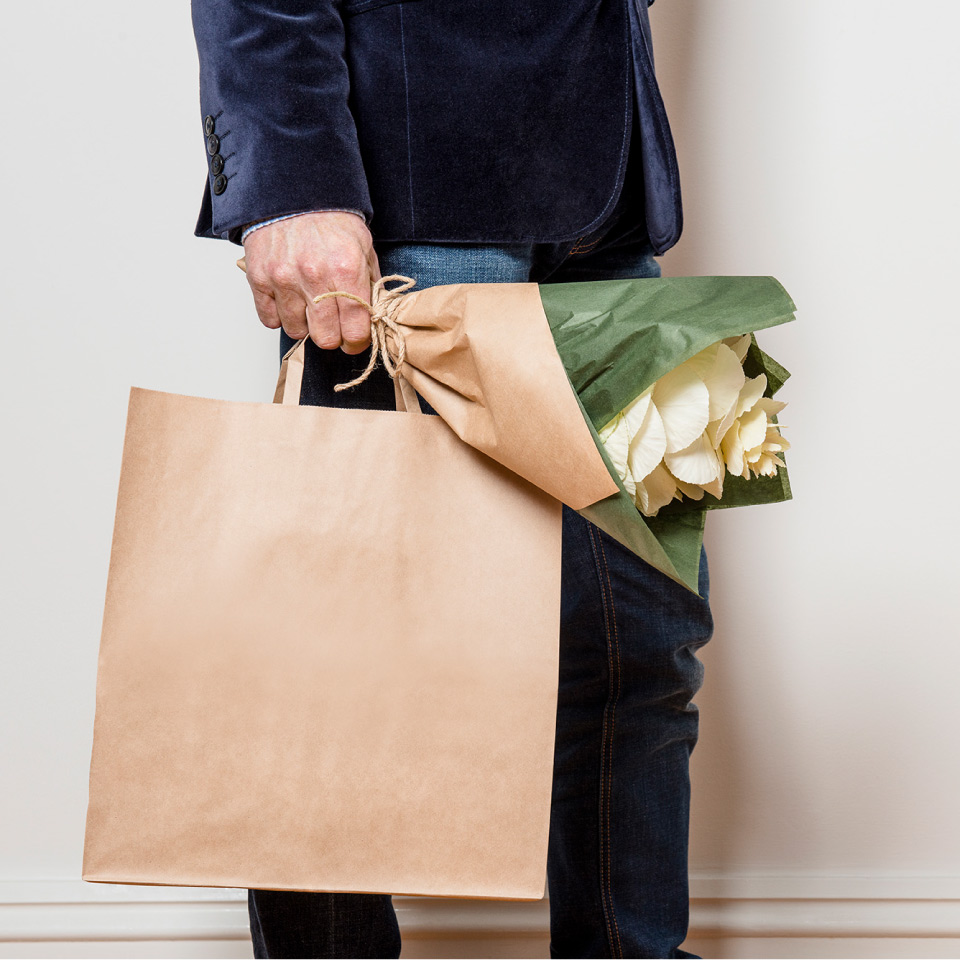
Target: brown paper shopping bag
[329,656]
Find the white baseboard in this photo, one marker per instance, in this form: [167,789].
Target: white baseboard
[721,907]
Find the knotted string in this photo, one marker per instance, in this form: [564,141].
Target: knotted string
[382,308]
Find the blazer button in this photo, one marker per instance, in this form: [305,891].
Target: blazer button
[209,125]
[219,185]
[216,164]
[213,144]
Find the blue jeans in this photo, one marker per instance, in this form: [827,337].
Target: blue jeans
[617,865]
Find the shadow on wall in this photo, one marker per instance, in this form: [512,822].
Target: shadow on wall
[678,34]
[726,778]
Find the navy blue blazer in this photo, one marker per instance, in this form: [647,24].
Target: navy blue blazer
[441,120]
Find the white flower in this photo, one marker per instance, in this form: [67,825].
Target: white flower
[697,422]
[635,440]
[752,442]
[683,400]
[656,491]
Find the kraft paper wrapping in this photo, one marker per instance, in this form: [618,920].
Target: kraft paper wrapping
[483,357]
[329,657]
[529,373]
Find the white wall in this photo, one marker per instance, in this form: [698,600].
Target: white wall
[818,143]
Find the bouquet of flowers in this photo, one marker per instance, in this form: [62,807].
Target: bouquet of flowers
[639,403]
[703,419]
[679,396]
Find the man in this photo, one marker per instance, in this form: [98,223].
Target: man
[476,141]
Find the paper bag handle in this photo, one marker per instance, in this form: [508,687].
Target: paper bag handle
[290,382]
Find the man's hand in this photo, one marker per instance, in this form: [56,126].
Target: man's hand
[290,262]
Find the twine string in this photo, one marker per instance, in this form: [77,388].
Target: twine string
[383,306]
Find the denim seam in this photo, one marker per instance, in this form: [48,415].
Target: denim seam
[606,752]
[613,727]
[581,247]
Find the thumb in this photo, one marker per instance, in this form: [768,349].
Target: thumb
[374,265]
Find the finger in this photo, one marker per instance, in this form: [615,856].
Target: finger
[374,264]
[354,325]
[293,313]
[354,318]
[263,300]
[266,309]
[324,321]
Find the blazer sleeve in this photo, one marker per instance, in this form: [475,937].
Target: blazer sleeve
[277,127]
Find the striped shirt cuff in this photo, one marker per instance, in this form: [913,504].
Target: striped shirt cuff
[250,228]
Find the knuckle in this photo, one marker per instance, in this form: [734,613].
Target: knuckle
[312,271]
[282,274]
[323,310]
[343,265]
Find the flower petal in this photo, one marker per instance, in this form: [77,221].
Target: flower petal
[774,442]
[717,430]
[616,439]
[696,463]
[648,445]
[767,465]
[724,381]
[690,490]
[732,451]
[739,345]
[702,363]
[752,391]
[683,401]
[635,411]
[656,491]
[771,406]
[753,428]
[716,487]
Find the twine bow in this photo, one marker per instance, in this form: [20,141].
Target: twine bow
[381,320]
[382,308]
